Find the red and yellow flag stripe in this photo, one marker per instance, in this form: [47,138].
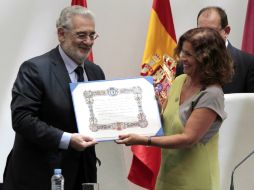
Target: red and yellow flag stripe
[159,50]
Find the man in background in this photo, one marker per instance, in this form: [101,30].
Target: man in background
[46,135]
[243,80]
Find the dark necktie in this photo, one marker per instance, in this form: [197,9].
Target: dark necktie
[80,73]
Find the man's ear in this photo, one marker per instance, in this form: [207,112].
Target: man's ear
[227,30]
[60,33]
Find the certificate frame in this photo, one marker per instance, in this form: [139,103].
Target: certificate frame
[105,109]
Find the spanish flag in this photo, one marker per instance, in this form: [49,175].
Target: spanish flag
[157,62]
[83,4]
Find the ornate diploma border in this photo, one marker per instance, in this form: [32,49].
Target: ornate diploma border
[112,91]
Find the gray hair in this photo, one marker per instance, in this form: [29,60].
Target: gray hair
[64,20]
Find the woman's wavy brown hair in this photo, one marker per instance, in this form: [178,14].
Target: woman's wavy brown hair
[214,62]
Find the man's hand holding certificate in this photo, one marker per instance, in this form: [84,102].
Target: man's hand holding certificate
[106,109]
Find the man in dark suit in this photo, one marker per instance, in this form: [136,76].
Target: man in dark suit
[43,115]
[243,80]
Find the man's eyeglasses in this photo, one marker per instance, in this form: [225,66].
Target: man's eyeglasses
[84,35]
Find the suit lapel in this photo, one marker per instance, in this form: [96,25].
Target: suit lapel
[90,75]
[230,48]
[233,53]
[60,71]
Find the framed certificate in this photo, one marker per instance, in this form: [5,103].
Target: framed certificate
[106,109]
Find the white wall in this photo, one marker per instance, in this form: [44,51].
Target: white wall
[28,29]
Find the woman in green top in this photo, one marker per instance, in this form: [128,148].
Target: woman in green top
[192,115]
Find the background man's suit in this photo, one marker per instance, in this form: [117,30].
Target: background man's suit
[243,80]
[41,110]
